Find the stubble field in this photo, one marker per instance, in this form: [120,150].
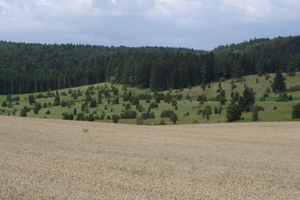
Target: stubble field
[57,159]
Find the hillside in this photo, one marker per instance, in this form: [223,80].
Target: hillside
[103,100]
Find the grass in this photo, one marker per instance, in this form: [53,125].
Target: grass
[283,113]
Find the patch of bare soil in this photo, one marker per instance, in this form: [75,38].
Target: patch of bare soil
[56,159]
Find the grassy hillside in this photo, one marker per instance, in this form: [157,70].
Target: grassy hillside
[282,113]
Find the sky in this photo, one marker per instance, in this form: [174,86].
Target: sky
[197,24]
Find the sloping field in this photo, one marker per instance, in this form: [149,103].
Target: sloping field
[56,159]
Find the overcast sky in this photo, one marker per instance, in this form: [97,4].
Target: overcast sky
[198,24]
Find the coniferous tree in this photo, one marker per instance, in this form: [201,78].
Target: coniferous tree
[57,99]
[278,84]
[247,99]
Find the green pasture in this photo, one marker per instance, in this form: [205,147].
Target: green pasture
[282,113]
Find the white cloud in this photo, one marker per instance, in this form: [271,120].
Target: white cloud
[186,23]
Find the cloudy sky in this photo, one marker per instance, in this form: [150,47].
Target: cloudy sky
[198,24]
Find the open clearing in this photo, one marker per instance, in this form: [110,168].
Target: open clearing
[57,159]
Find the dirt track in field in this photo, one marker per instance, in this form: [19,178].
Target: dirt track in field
[56,159]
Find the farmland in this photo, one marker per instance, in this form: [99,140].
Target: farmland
[58,159]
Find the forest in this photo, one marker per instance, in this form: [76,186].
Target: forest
[26,68]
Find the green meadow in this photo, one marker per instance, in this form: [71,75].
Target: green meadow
[273,111]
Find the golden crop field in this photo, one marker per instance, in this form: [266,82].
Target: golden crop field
[57,159]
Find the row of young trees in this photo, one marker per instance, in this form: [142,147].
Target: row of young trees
[26,68]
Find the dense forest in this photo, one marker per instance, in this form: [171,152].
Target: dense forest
[26,68]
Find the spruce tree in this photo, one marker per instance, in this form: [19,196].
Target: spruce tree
[278,83]
[247,99]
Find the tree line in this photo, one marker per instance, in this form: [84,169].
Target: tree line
[26,68]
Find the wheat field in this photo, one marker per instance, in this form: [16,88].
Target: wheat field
[56,159]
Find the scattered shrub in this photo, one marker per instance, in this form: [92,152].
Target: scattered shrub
[162,122]
[233,113]
[4,104]
[296,111]
[255,114]
[153,105]
[166,113]
[174,118]
[63,103]
[23,113]
[222,100]
[93,103]
[220,110]
[115,118]
[179,97]
[283,98]
[91,118]
[80,117]
[259,108]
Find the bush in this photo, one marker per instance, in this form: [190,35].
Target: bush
[102,117]
[173,118]
[268,90]
[283,98]
[116,100]
[202,98]
[207,111]
[166,113]
[80,117]
[275,108]
[23,113]
[48,112]
[162,122]
[135,101]
[91,118]
[127,106]
[93,103]
[63,103]
[27,109]
[199,112]
[153,105]
[290,98]
[216,110]
[157,98]
[140,120]
[255,115]
[259,108]
[179,97]
[187,114]
[115,118]
[220,110]
[4,104]
[37,107]
[296,111]
[222,100]
[71,116]
[128,114]
[152,116]
[233,113]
